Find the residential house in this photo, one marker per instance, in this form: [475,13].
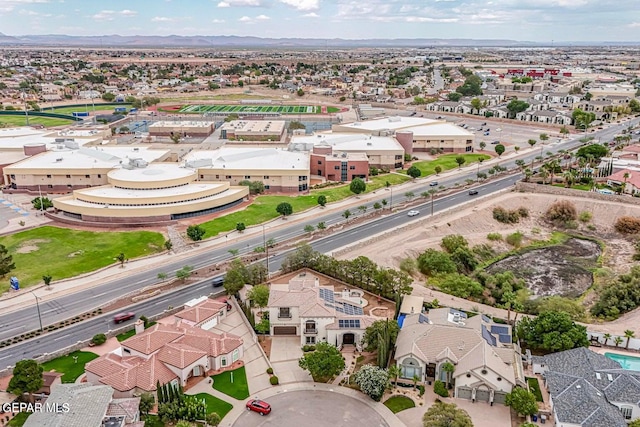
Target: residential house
[49,380]
[315,311]
[164,354]
[86,405]
[587,389]
[627,178]
[488,364]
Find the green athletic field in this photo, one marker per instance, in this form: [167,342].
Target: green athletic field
[254,109]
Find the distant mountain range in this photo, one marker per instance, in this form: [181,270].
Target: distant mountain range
[174,41]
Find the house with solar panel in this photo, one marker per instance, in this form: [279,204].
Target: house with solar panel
[318,313]
[488,364]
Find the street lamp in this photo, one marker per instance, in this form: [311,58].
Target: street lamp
[38,307]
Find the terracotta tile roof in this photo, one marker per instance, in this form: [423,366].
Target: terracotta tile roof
[49,377]
[127,407]
[153,339]
[180,355]
[127,373]
[202,312]
[214,344]
[633,178]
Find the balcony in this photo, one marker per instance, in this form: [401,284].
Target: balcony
[310,331]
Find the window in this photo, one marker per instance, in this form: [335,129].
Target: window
[201,176]
[223,361]
[266,187]
[99,175]
[284,313]
[310,340]
[499,379]
[126,350]
[50,186]
[68,176]
[352,167]
[235,355]
[48,176]
[626,412]
[247,177]
[483,372]
[87,176]
[310,327]
[227,177]
[319,162]
[265,177]
[337,168]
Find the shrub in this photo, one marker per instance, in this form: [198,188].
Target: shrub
[307,348]
[494,237]
[627,225]
[523,212]
[421,390]
[270,371]
[440,389]
[515,239]
[585,216]
[504,216]
[562,212]
[98,339]
[273,380]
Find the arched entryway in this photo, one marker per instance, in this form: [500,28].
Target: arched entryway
[348,339]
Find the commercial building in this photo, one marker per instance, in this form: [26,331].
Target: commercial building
[280,171]
[182,128]
[253,130]
[338,166]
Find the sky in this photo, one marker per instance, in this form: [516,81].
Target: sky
[523,20]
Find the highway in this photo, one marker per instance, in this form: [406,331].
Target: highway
[52,311]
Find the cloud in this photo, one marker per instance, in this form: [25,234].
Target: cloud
[218,21]
[303,4]
[634,25]
[245,19]
[262,18]
[161,19]
[311,15]
[249,20]
[240,3]
[110,15]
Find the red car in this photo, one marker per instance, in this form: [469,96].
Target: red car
[259,406]
[123,317]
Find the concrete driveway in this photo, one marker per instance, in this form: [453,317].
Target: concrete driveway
[285,353]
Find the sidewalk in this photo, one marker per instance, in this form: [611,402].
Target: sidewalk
[24,298]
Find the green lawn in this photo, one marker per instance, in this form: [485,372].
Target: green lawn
[214,404]
[34,120]
[72,369]
[583,187]
[534,387]
[332,109]
[399,403]
[19,419]
[337,193]
[62,253]
[446,162]
[239,389]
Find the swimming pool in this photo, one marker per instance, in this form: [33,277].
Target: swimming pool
[627,362]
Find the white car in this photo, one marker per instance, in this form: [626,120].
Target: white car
[413,213]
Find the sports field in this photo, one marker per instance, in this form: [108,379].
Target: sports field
[255,109]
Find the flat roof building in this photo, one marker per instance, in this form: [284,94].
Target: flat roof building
[253,130]
[182,128]
[279,170]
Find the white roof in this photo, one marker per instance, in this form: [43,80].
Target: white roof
[440,129]
[88,158]
[251,158]
[350,141]
[392,123]
[153,172]
[184,123]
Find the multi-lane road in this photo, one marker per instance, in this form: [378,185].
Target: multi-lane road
[15,323]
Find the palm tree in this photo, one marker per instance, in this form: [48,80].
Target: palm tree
[552,166]
[448,367]
[543,174]
[394,372]
[606,337]
[569,178]
[624,184]
[415,380]
[628,334]
[617,341]
[532,142]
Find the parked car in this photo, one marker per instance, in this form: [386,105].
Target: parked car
[433,184]
[473,192]
[217,281]
[123,317]
[413,213]
[495,142]
[486,133]
[259,406]
[484,124]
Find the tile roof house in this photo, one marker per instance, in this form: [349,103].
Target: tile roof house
[631,181]
[86,405]
[203,312]
[587,389]
[317,313]
[488,365]
[163,353]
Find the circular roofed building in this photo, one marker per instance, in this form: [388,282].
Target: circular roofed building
[142,194]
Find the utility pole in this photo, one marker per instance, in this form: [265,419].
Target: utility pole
[266,249]
[38,307]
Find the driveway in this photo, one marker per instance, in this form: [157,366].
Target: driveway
[314,409]
[285,353]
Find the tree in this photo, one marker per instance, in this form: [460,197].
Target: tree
[47,279]
[628,334]
[564,131]
[452,242]
[552,331]
[195,232]
[437,169]
[285,209]
[162,276]
[259,295]
[471,86]
[362,209]
[461,286]
[516,106]
[449,368]
[323,363]
[146,402]
[499,149]
[309,228]
[168,244]
[184,273]
[109,97]
[27,378]
[255,187]
[594,151]
[414,172]
[482,145]
[460,160]
[240,227]
[409,195]
[377,328]
[99,339]
[372,381]
[357,186]
[582,119]
[235,279]
[121,259]
[442,414]
[42,203]
[476,104]
[522,401]
[617,341]
[606,337]
[543,137]
[454,96]
[432,262]
[346,214]
[322,200]
[300,92]
[213,419]
[394,372]
[321,225]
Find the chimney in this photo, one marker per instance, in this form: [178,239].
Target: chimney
[139,326]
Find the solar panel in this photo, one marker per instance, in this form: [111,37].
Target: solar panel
[326,294]
[490,339]
[485,319]
[460,313]
[502,330]
[423,319]
[338,308]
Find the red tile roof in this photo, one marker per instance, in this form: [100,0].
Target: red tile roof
[633,178]
[202,312]
[180,355]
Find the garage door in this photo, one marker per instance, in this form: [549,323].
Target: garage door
[464,393]
[482,395]
[499,397]
[284,330]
